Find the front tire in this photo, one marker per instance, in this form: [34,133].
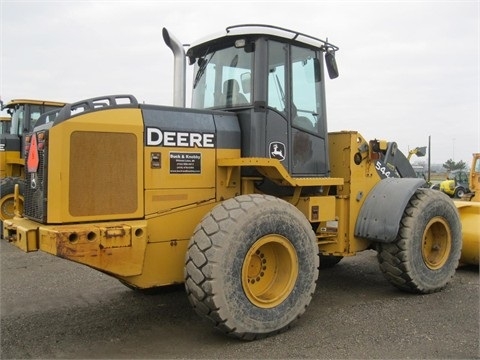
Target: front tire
[426,253]
[252,266]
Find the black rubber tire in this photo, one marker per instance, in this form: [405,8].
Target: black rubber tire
[7,188]
[426,252]
[329,261]
[459,192]
[215,272]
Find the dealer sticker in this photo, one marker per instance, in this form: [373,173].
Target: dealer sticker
[185,163]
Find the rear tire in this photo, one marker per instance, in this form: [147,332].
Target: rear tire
[252,266]
[426,253]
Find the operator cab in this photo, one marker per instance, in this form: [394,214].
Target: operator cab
[273,79]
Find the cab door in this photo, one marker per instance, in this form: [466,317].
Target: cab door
[296,132]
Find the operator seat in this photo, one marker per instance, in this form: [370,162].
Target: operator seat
[231,93]
[304,123]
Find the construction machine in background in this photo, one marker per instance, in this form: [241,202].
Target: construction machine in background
[241,197]
[456,184]
[23,116]
[5,123]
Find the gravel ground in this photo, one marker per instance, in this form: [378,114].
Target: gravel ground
[52,308]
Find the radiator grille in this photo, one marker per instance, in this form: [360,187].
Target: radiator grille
[35,195]
[102,173]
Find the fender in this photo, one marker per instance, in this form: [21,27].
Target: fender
[380,215]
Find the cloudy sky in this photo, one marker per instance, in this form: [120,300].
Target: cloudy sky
[408,69]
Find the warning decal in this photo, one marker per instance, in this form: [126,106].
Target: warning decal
[33,160]
[185,163]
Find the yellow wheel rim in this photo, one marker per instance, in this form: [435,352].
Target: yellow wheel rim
[7,206]
[269,271]
[437,243]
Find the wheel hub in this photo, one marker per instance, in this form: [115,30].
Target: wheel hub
[269,271]
[257,267]
[437,243]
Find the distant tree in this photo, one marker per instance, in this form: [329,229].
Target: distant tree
[451,165]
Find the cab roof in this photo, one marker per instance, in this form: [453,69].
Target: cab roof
[271,30]
[14,102]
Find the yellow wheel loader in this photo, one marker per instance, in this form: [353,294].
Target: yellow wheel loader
[24,115]
[241,197]
[5,123]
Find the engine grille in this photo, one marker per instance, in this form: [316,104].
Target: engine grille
[35,195]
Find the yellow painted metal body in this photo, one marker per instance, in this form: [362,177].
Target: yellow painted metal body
[137,226]
[358,181]
[85,147]
[470,218]
[448,187]
[474,180]
[11,164]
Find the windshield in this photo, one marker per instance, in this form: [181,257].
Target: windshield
[18,118]
[222,79]
[25,117]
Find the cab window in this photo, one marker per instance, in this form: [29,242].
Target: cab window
[305,89]
[222,79]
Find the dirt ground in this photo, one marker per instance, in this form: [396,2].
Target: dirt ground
[52,308]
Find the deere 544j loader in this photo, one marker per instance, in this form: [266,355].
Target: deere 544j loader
[242,197]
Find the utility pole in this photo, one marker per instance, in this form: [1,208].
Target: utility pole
[453,148]
[429,157]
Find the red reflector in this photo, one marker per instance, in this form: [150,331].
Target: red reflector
[33,160]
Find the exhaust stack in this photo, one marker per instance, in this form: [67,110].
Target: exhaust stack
[179,77]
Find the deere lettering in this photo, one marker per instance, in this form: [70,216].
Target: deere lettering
[157,137]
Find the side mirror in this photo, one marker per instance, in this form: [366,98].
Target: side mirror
[331,64]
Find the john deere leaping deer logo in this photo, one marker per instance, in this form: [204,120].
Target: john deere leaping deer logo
[277,150]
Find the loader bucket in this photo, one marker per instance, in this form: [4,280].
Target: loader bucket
[470,217]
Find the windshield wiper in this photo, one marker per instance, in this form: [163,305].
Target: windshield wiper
[202,65]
